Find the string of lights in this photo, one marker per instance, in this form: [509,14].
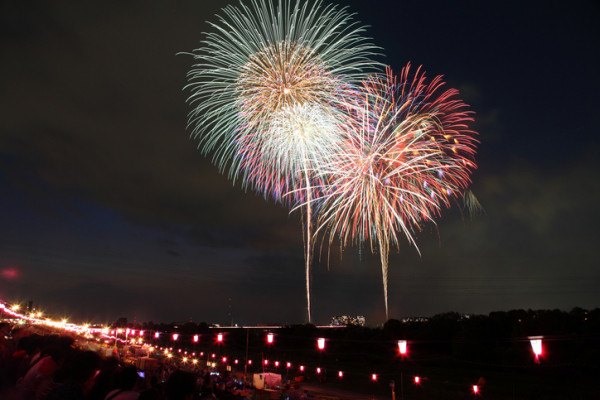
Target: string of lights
[179,348]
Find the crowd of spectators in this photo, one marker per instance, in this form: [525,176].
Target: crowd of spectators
[38,365]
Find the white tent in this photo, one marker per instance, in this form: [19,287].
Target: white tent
[267,380]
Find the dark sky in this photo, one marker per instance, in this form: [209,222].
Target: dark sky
[107,209]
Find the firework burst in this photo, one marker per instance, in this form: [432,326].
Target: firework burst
[266,90]
[411,155]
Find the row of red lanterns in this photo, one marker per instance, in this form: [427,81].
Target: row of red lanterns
[536,342]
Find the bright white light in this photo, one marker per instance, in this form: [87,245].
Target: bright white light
[536,345]
[402,346]
[269,338]
[321,343]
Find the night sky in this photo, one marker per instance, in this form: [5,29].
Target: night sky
[107,208]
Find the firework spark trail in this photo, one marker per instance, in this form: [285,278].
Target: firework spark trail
[411,154]
[265,90]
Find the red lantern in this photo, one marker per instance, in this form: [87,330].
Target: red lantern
[417,380]
[175,336]
[374,377]
[321,343]
[196,338]
[402,347]
[220,337]
[340,374]
[269,338]
[536,346]
[475,389]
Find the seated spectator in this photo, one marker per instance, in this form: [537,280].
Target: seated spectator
[128,385]
[77,377]
[181,385]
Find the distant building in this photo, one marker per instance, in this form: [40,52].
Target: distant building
[345,320]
